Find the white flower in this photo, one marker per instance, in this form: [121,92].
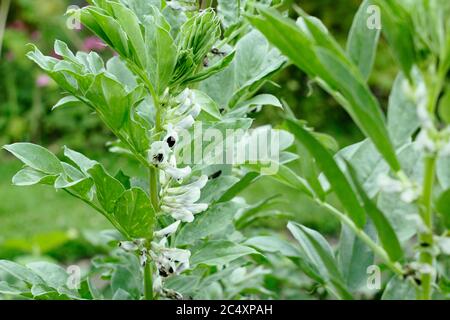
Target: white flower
[167,231]
[159,153]
[179,202]
[169,260]
[409,195]
[408,191]
[177,173]
[171,137]
[426,143]
[387,184]
[185,111]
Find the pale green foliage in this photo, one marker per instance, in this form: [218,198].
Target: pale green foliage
[387,186]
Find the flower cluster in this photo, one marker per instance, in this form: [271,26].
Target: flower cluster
[429,140]
[409,192]
[178,191]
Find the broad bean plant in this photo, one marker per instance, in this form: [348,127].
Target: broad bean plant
[184,73]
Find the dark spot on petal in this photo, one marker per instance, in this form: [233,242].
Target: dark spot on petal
[159,157]
[163,273]
[417,281]
[215,175]
[171,141]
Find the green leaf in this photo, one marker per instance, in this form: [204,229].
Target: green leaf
[386,233]
[209,107]
[161,54]
[213,221]
[255,61]
[6,289]
[106,27]
[398,29]
[79,159]
[29,176]
[36,157]
[399,289]
[116,67]
[134,213]
[257,101]
[317,249]
[125,283]
[239,186]
[314,51]
[130,24]
[273,244]
[229,12]
[335,176]
[219,252]
[54,276]
[20,272]
[362,41]
[354,257]
[402,112]
[211,70]
[108,189]
[67,101]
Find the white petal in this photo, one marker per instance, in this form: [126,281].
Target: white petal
[199,183]
[190,196]
[178,173]
[167,230]
[178,213]
[186,122]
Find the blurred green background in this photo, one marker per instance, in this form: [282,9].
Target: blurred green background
[37,220]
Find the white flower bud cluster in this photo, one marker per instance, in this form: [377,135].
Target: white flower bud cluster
[429,140]
[409,192]
[432,141]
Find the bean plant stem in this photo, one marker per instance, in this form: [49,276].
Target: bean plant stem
[426,237]
[379,251]
[148,281]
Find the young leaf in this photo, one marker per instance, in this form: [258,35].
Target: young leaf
[29,176]
[161,54]
[363,41]
[335,176]
[66,101]
[212,70]
[36,157]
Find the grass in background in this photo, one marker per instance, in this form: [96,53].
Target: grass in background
[26,212]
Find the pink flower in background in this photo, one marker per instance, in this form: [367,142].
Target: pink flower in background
[18,25]
[93,43]
[36,35]
[42,81]
[10,56]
